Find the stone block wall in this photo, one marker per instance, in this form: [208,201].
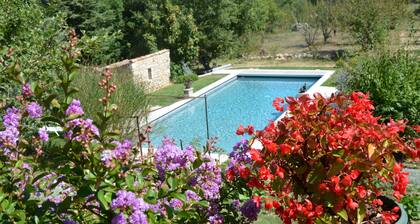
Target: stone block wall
[153,70]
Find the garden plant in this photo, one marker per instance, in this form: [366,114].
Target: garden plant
[327,161]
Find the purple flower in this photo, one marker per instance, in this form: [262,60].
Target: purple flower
[34,110]
[127,199]
[10,136]
[176,203]
[236,204]
[75,108]
[106,158]
[119,219]
[216,219]
[26,166]
[192,196]
[81,130]
[159,207]
[43,135]
[26,90]
[250,210]
[70,222]
[122,150]
[240,154]
[169,157]
[138,217]
[214,216]
[208,178]
[12,117]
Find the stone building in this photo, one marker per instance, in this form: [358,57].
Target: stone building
[151,70]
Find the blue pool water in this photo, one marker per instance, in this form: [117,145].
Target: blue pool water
[245,100]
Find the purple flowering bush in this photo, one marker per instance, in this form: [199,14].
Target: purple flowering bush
[58,166]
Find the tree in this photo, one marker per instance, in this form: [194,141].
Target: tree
[326,17]
[369,21]
[153,25]
[34,38]
[99,24]
[310,26]
[214,20]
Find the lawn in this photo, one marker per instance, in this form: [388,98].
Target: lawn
[170,94]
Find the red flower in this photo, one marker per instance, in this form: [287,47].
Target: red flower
[377,202]
[271,147]
[265,174]
[244,172]
[230,175]
[417,142]
[354,174]
[280,172]
[361,191]
[240,130]
[335,179]
[268,204]
[351,204]
[296,135]
[257,200]
[323,187]
[347,181]
[276,204]
[250,129]
[285,149]
[256,156]
[319,210]
[277,102]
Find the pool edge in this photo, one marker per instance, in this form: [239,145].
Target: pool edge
[323,74]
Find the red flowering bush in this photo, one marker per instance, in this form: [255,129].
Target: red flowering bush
[326,161]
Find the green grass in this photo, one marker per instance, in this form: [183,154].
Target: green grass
[332,81]
[268,218]
[177,90]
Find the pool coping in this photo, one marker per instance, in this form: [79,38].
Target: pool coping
[234,73]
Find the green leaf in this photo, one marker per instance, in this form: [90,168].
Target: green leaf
[197,163]
[173,182]
[338,153]
[4,204]
[361,212]
[129,180]
[317,174]
[335,169]
[103,199]
[179,196]
[343,215]
[88,175]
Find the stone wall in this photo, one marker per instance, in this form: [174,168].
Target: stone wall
[151,70]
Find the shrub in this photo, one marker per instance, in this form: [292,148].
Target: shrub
[391,79]
[87,172]
[176,71]
[130,97]
[327,161]
[369,21]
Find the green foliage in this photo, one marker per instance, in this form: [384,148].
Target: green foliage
[130,97]
[35,39]
[154,25]
[369,21]
[411,202]
[326,16]
[99,23]
[214,19]
[176,71]
[392,81]
[186,78]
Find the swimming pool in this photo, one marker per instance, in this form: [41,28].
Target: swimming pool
[245,99]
